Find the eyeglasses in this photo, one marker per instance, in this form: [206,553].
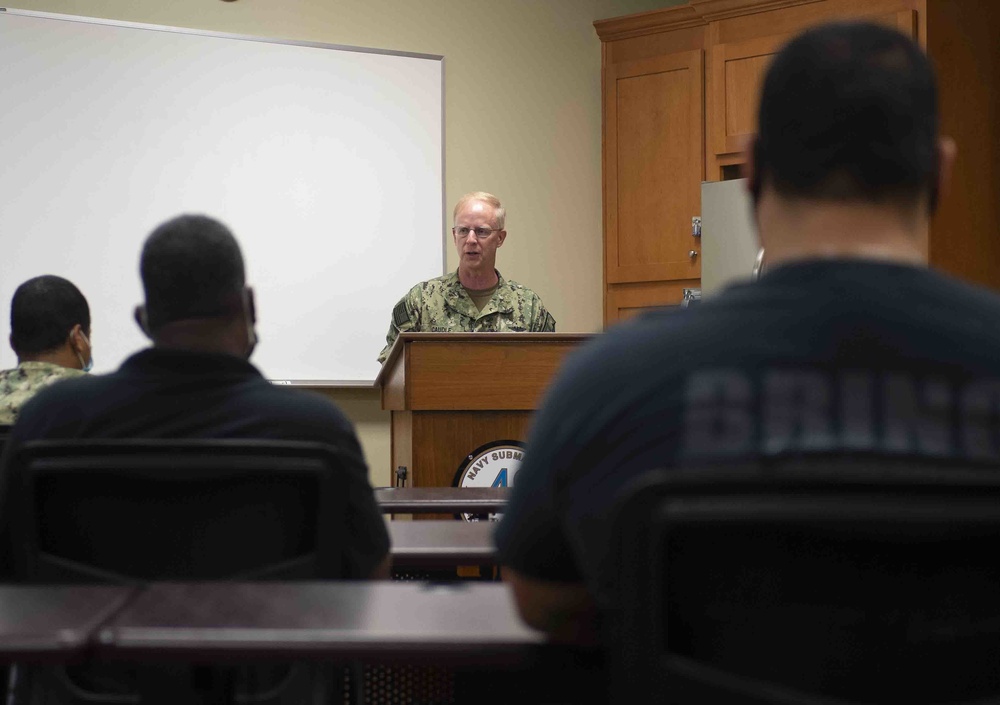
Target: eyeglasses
[481,233]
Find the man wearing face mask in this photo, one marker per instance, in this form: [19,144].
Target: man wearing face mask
[50,334]
[195,380]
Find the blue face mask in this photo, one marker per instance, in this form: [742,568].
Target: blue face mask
[89,364]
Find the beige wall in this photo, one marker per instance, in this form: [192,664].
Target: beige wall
[523,120]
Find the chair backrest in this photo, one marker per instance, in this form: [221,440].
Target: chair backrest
[137,510]
[817,581]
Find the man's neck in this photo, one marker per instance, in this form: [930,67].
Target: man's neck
[478,279]
[831,230]
[200,336]
[62,357]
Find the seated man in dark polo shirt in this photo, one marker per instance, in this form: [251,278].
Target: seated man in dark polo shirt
[195,381]
[848,342]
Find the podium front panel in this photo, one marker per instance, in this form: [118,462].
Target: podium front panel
[451,393]
[469,375]
[433,445]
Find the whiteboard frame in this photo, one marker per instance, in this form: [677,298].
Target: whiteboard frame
[291,42]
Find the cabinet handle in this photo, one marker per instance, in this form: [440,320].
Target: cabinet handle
[693,253]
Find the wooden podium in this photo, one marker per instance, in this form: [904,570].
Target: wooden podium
[450,393]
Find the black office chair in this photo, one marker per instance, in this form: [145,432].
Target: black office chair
[815,582]
[140,510]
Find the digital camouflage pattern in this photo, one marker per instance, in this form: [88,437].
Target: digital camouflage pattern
[24,381]
[443,305]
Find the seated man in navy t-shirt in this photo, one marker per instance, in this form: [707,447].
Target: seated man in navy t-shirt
[847,343]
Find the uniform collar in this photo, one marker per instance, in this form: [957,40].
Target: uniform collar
[33,365]
[458,300]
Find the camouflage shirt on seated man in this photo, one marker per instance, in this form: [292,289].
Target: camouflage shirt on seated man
[444,305]
[23,382]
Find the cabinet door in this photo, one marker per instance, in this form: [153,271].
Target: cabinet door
[654,165]
[738,70]
[737,74]
[623,301]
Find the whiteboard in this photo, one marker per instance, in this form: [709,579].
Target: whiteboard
[326,162]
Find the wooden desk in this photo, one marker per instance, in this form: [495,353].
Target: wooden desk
[467,634]
[444,543]
[53,623]
[441,500]
[381,621]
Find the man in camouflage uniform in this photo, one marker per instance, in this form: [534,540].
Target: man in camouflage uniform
[50,334]
[476,297]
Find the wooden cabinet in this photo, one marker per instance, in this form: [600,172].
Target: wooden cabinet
[738,70]
[654,108]
[622,301]
[654,165]
[680,99]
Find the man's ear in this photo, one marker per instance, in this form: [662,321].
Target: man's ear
[751,167]
[250,304]
[946,151]
[142,320]
[250,317]
[74,333]
[501,236]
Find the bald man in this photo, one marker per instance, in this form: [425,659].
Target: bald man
[476,297]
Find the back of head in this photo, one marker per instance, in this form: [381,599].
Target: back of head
[848,112]
[42,313]
[191,268]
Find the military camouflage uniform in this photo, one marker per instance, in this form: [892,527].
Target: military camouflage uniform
[443,305]
[23,382]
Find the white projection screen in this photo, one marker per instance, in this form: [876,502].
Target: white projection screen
[326,162]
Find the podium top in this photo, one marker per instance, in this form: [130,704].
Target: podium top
[520,338]
[449,371]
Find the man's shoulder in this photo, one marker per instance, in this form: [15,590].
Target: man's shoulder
[627,356]
[525,303]
[296,415]
[71,385]
[781,317]
[34,375]
[8,379]
[289,406]
[964,292]
[25,383]
[431,297]
[517,289]
[70,400]
[437,285]
[659,329]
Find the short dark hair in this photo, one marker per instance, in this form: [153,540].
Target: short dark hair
[848,112]
[191,267]
[42,313]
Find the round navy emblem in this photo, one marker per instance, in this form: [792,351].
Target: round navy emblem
[494,464]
